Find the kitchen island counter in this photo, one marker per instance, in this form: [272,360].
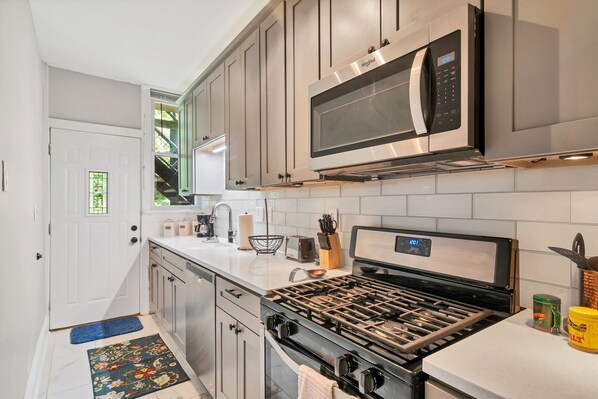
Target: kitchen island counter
[513,360]
[258,273]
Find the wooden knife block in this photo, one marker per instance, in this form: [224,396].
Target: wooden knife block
[331,258]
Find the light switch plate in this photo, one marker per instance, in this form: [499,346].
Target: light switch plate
[259,214]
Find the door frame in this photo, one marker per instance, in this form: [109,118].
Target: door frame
[54,123]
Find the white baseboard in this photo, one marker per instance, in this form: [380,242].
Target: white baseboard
[38,365]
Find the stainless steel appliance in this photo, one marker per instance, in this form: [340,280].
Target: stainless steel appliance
[411,293]
[411,107]
[300,248]
[201,319]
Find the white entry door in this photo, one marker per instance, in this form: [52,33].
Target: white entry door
[95,212]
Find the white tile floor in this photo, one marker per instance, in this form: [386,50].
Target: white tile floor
[70,378]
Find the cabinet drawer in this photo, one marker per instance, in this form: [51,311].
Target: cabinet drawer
[228,293]
[174,260]
[156,250]
[155,259]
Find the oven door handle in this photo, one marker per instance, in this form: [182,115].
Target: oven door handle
[415,92]
[280,352]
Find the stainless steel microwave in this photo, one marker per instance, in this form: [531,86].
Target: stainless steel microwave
[415,100]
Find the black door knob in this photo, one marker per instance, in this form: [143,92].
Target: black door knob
[134,240]
[134,228]
[370,380]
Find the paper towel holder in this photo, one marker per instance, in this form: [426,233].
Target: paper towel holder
[239,238]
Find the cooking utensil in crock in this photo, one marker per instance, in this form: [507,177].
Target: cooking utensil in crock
[579,245]
[579,260]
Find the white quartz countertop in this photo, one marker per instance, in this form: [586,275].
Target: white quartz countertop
[258,273]
[513,360]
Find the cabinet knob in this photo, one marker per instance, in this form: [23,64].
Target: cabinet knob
[171,279]
[287,175]
[205,137]
[231,327]
[371,49]
[385,42]
[280,176]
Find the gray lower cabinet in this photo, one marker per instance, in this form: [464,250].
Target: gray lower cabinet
[540,77]
[273,98]
[154,280]
[242,115]
[303,69]
[239,360]
[172,299]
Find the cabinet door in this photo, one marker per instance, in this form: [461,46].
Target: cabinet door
[273,98]
[154,286]
[248,354]
[226,356]
[160,291]
[349,28]
[167,304]
[541,58]
[185,150]
[200,114]
[215,91]
[179,317]
[242,115]
[303,68]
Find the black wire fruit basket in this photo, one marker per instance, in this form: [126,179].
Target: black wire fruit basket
[266,244]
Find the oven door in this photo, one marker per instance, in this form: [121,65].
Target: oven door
[282,368]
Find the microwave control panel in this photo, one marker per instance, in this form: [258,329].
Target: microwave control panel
[445,73]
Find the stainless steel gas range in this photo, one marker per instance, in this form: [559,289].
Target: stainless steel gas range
[411,293]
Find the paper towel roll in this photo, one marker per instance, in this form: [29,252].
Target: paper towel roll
[245,226]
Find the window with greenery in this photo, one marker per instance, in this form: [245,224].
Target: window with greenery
[166,156]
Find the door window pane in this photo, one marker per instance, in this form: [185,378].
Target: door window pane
[98,193]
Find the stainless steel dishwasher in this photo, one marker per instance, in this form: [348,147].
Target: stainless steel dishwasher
[201,324]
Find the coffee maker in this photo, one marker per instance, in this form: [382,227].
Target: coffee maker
[203,227]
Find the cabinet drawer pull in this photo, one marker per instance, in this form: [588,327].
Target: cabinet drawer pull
[154,247]
[232,292]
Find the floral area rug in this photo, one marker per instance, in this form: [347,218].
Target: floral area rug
[133,368]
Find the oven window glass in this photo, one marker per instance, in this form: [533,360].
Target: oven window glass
[281,381]
[369,109]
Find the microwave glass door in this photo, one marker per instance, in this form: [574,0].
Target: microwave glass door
[370,109]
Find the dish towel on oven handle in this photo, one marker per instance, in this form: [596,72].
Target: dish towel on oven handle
[313,385]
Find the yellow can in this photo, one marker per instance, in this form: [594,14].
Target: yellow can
[583,328]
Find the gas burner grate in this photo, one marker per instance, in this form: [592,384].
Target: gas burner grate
[396,317]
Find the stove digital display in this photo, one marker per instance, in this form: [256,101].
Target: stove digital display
[413,246]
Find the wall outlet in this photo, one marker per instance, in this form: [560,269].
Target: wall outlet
[334,213]
[258,215]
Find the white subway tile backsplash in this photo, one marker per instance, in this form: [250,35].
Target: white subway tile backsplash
[284,205]
[348,221]
[360,189]
[413,185]
[496,228]
[557,179]
[408,222]
[569,296]
[445,205]
[234,195]
[343,204]
[311,205]
[297,192]
[543,267]
[477,182]
[388,205]
[549,206]
[584,207]
[278,218]
[298,219]
[325,191]
[538,236]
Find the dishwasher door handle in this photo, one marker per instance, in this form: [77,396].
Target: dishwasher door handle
[232,292]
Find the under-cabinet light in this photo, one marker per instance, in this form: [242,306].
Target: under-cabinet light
[219,148]
[575,157]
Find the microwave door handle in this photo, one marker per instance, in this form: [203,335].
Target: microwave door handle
[415,93]
[280,352]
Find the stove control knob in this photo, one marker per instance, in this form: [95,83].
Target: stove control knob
[285,330]
[370,380]
[272,322]
[344,365]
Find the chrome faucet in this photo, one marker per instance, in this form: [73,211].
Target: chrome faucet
[230,219]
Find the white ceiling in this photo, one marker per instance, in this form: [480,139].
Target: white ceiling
[165,44]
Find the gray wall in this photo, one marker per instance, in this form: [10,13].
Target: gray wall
[22,282]
[86,98]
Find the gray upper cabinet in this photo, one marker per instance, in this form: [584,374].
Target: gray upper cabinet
[303,68]
[540,77]
[200,114]
[273,98]
[215,92]
[242,115]
[185,175]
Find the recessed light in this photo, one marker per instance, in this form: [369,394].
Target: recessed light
[575,157]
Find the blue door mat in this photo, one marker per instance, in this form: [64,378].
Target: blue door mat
[105,329]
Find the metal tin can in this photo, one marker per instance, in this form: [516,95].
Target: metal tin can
[583,328]
[547,313]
